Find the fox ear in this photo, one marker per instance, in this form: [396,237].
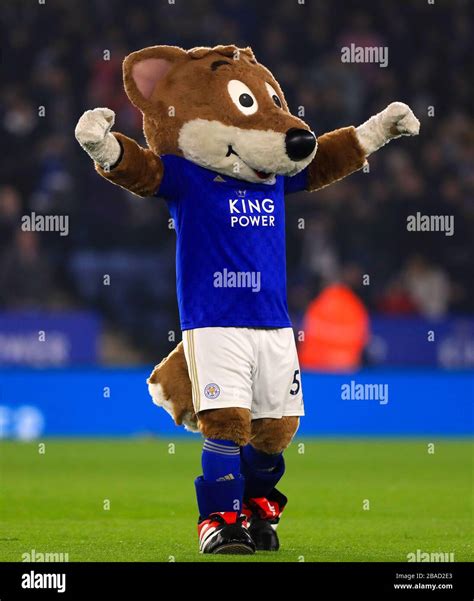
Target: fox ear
[144,69]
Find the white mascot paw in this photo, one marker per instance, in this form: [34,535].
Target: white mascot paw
[394,121]
[93,126]
[93,134]
[400,120]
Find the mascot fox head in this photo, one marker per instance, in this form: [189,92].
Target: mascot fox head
[219,108]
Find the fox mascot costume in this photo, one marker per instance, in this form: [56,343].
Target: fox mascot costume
[223,152]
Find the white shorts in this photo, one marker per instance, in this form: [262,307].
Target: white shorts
[256,369]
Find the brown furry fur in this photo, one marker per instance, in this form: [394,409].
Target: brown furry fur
[339,154]
[273,435]
[226,424]
[140,170]
[172,374]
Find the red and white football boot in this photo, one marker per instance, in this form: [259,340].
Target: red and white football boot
[263,514]
[225,532]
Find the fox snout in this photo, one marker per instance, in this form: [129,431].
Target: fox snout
[250,154]
[299,143]
[253,155]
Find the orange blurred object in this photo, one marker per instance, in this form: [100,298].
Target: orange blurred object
[336,327]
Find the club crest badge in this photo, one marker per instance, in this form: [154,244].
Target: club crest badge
[212,391]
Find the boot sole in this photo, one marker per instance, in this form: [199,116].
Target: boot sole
[234,549]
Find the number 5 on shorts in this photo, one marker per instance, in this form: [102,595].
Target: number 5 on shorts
[296,382]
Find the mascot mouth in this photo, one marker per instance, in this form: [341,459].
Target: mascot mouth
[260,174]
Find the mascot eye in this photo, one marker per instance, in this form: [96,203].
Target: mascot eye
[273,95]
[242,97]
[246,100]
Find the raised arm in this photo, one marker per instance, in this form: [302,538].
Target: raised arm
[339,154]
[118,158]
[345,150]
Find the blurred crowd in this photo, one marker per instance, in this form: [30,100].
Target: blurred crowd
[61,58]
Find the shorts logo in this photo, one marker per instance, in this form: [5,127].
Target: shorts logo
[212,391]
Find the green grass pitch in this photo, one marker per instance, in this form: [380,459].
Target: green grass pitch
[56,502]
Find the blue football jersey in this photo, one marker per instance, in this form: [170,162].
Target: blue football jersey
[231,252]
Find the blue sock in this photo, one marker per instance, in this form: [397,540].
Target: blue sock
[261,471]
[220,459]
[221,487]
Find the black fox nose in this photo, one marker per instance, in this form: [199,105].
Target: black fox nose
[300,143]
